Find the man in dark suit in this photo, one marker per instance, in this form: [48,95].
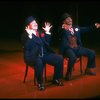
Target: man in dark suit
[71,45]
[37,51]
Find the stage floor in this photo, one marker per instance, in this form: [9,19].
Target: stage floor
[12,69]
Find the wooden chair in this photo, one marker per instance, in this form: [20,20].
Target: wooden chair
[79,59]
[35,79]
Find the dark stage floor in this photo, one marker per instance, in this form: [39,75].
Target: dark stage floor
[12,69]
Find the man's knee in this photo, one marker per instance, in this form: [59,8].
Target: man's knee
[73,58]
[60,58]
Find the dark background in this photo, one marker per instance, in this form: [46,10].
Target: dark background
[14,13]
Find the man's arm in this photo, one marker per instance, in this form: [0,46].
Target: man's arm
[89,28]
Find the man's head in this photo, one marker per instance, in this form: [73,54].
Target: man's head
[31,23]
[66,19]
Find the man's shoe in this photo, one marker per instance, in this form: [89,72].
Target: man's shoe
[58,83]
[41,87]
[89,71]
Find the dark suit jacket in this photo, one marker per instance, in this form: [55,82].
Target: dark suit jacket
[66,33]
[32,47]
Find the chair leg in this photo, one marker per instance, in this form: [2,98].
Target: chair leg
[26,71]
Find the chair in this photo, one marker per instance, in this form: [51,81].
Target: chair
[35,79]
[26,72]
[79,59]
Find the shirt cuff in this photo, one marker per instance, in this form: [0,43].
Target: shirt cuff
[48,33]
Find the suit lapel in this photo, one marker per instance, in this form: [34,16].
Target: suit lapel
[36,39]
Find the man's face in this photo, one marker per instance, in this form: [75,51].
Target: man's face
[33,25]
[68,21]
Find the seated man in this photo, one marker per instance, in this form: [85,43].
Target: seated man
[71,45]
[37,51]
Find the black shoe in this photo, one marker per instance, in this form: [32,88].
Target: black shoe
[41,87]
[90,73]
[58,83]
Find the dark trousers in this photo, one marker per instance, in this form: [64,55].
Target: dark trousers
[72,54]
[52,59]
